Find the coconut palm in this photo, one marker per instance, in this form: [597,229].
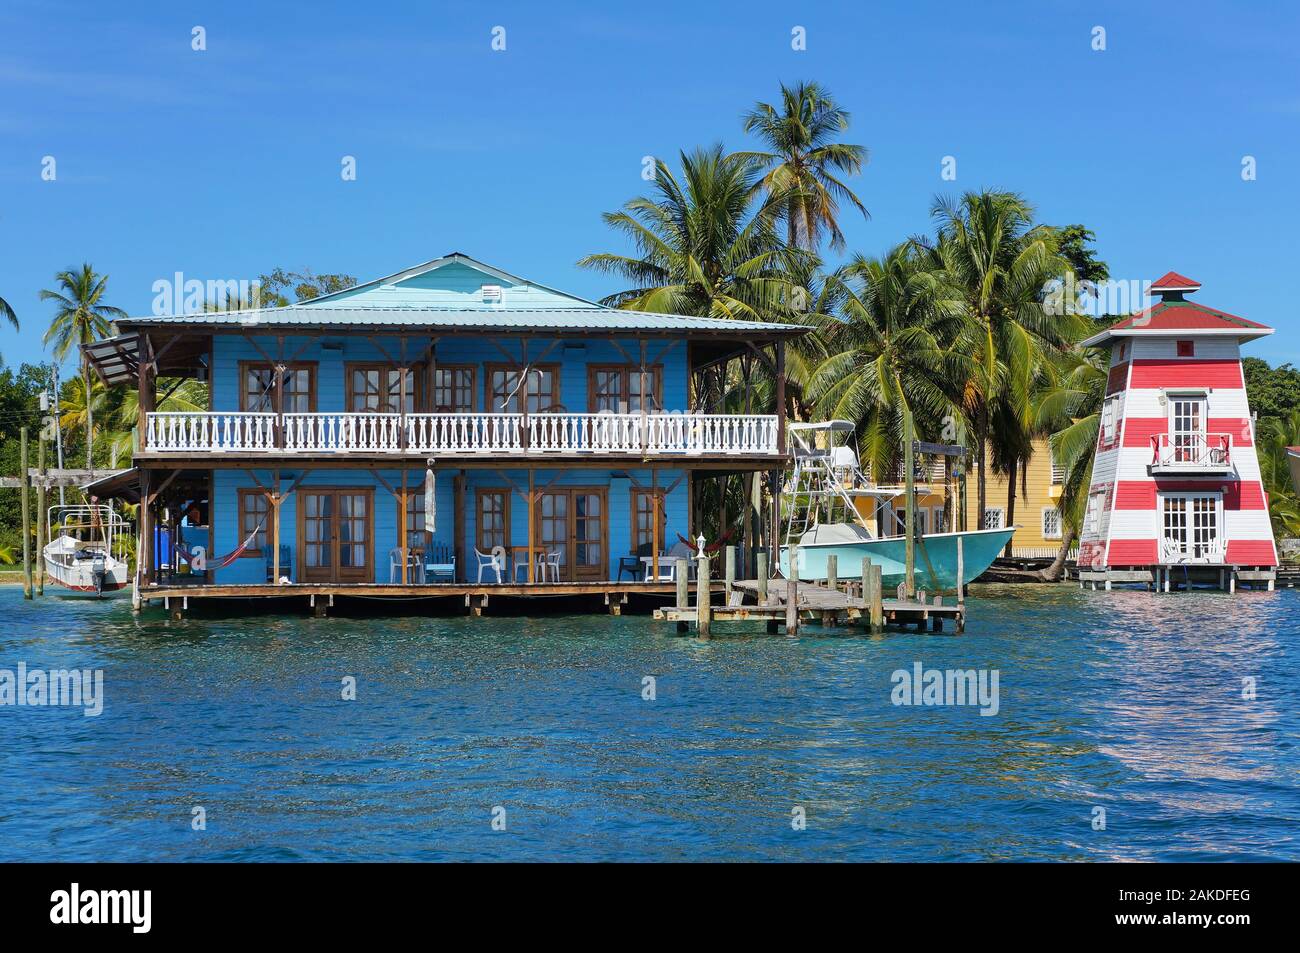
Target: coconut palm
[990,248]
[703,246]
[1274,435]
[81,318]
[176,396]
[7,314]
[888,353]
[1069,406]
[803,161]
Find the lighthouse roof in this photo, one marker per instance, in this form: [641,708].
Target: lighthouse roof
[1173,316]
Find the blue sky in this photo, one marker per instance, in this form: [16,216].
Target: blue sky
[225,163]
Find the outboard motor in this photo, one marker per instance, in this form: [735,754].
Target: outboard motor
[97,573]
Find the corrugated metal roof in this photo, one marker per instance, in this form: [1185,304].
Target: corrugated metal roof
[488,318]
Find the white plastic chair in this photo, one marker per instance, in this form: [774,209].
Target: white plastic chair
[396,557]
[551,562]
[495,560]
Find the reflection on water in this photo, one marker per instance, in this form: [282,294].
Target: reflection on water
[1125,700]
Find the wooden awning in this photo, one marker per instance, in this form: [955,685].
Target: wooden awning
[116,360]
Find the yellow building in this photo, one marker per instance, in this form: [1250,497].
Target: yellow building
[1038,520]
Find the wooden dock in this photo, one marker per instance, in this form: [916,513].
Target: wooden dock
[818,604]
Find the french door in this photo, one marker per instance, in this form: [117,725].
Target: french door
[336,535]
[1187,428]
[1191,528]
[573,523]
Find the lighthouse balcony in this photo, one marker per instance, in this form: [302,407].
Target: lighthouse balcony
[1191,453]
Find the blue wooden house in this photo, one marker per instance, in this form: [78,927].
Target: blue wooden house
[381,435]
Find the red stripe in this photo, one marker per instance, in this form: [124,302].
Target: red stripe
[1141,494]
[1239,427]
[1152,373]
[1138,431]
[1131,552]
[1251,552]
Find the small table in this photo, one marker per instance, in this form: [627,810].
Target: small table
[519,560]
[648,574]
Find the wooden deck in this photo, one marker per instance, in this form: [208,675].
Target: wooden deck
[818,604]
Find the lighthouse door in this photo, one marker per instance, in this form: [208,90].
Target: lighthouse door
[1187,429]
[1191,528]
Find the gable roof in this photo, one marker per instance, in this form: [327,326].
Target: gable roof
[453,258]
[1173,281]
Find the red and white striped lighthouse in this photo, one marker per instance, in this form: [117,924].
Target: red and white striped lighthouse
[1176,481]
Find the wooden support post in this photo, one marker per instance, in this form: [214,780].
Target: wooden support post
[792,593]
[26,513]
[780,400]
[681,575]
[402,501]
[833,573]
[872,581]
[275,528]
[961,573]
[40,517]
[761,559]
[702,608]
[532,495]
[936,623]
[144,550]
[655,542]
[909,467]
[729,574]
[458,524]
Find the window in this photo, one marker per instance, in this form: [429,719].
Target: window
[1092,516]
[1186,348]
[503,388]
[377,388]
[643,518]
[453,389]
[1058,471]
[938,519]
[1051,522]
[993,517]
[1109,428]
[258,390]
[616,388]
[900,521]
[416,537]
[493,519]
[253,509]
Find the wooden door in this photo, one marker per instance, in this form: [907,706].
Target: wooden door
[336,535]
[574,522]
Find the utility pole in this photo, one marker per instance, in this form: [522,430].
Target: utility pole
[58,427]
[26,490]
[909,468]
[40,515]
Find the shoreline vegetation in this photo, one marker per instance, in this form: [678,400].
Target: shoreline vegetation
[973,328]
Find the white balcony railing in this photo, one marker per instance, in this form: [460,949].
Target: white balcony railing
[1206,453]
[558,434]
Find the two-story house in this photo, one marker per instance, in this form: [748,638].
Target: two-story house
[451,407]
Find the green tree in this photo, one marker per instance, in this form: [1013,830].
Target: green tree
[804,160]
[280,283]
[1002,262]
[1274,391]
[81,318]
[7,314]
[889,353]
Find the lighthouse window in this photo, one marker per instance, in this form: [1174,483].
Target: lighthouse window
[1186,348]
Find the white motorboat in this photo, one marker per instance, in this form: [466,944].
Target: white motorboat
[86,549]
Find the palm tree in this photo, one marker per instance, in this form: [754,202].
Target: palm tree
[888,353]
[1274,435]
[7,314]
[803,161]
[1003,263]
[82,318]
[176,396]
[1070,407]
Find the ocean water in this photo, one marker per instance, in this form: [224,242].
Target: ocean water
[1127,702]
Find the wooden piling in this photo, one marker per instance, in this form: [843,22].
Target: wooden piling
[702,607]
[681,576]
[26,513]
[761,559]
[872,580]
[792,593]
[961,574]
[40,517]
[729,574]
[832,572]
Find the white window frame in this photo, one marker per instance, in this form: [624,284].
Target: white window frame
[1092,516]
[1002,517]
[936,517]
[1220,531]
[1109,426]
[1043,523]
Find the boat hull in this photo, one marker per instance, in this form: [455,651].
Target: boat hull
[979,549]
[82,581]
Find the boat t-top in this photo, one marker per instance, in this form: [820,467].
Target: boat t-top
[87,548]
[831,508]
